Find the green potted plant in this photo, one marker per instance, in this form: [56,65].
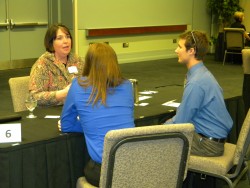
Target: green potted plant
[222,11]
[212,44]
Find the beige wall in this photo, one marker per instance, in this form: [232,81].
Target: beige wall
[131,13]
[246,5]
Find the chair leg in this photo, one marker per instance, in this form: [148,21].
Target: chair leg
[225,54]
[248,174]
[247,162]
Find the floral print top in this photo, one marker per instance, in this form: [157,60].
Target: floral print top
[49,75]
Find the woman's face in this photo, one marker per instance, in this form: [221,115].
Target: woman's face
[62,44]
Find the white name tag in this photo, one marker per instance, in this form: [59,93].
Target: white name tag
[10,133]
[72,70]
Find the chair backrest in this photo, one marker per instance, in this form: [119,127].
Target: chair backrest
[234,38]
[242,142]
[246,60]
[150,156]
[19,88]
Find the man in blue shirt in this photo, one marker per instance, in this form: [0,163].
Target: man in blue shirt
[202,103]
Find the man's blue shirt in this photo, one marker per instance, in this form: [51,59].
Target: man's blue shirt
[203,104]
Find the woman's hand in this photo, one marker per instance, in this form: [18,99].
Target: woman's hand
[62,94]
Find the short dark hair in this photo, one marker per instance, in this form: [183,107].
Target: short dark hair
[197,40]
[50,36]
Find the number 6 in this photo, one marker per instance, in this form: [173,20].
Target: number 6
[8,134]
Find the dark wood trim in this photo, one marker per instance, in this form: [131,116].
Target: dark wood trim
[134,30]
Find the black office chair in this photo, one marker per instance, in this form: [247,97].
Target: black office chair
[234,41]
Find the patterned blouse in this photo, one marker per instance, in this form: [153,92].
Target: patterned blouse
[48,75]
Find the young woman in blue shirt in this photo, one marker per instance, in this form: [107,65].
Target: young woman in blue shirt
[97,102]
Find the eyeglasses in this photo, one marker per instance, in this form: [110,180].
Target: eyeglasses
[193,37]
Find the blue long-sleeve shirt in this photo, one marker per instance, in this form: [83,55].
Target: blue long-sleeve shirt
[203,104]
[95,121]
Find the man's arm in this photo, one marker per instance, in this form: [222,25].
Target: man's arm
[191,103]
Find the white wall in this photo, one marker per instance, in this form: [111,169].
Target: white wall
[132,13]
[246,5]
[201,19]
[136,13]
